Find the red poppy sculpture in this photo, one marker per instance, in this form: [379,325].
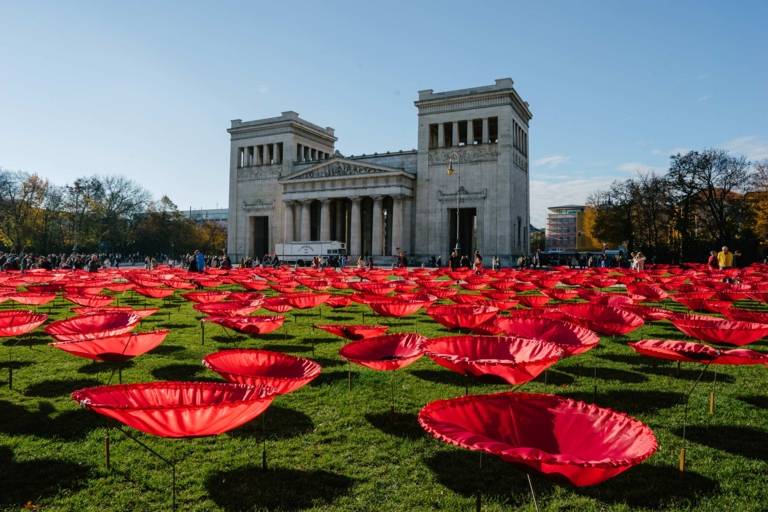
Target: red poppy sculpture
[252,325]
[560,438]
[385,353]
[178,409]
[305,300]
[513,359]
[605,320]
[17,322]
[718,330]
[282,372]
[141,313]
[395,307]
[93,301]
[91,327]
[355,332]
[462,316]
[573,339]
[226,308]
[114,349]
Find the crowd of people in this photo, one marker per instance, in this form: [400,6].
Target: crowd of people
[74,261]
[198,261]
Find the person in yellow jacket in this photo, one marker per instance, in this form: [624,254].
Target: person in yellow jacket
[725,258]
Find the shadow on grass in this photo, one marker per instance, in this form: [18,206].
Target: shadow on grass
[748,442]
[280,423]
[446,377]
[634,360]
[167,349]
[58,388]
[4,365]
[326,362]
[555,378]
[327,378]
[288,348]
[339,318]
[73,424]
[605,373]
[34,480]
[690,373]
[460,472]
[195,372]
[180,326]
[251,488]
[223,338]
[398,424]
[632,401]
[761,402]
[97,367]
[27,340]
[654,487]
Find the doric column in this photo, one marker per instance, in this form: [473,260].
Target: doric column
[455,134]
[470,133]
[485,131]
[306,231]
[299,153]
[355,245]
[341,229]
[441,135]
[397,223]
[325,220]
[288,216]
[377,227]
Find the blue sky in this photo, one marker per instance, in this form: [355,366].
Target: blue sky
[147,89]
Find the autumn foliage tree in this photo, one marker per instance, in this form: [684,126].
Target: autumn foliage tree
[96,214]
[707,199]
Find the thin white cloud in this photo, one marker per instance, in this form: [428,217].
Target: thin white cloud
[637,167]
[670,151]
[702,76]
[262,88]
[545,194]
[551,161]
[703,98]
[753,147]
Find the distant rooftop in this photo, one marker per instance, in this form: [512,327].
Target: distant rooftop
[500,87]
[566,207]
[288,116]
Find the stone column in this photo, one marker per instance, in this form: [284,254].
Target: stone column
[397,223]
[470,133]
[325,220]
[441,135]
[405,241]
[355,245]
[299,153]
[377,227]
[455,134]
[485,131]
[288,216]
[341,228]
[306,219]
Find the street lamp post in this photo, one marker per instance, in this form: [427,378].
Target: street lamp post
[455,156]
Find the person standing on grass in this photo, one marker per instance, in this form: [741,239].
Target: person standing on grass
[199,260]
[724,258]
[712,260]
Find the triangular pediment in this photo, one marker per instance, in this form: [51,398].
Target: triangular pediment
[342,168]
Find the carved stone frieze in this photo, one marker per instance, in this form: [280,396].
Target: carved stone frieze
[259,172]
[466,154]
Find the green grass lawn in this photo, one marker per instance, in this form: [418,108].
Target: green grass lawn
[332,448]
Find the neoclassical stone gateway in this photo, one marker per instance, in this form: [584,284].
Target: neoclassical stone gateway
[287,182]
